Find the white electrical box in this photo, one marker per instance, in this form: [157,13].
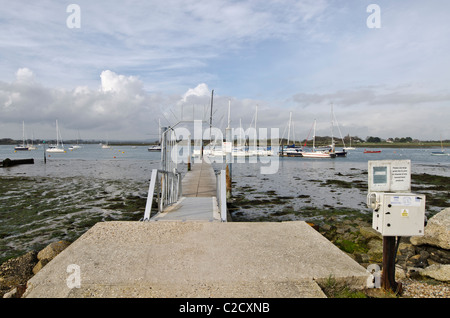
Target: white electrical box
[396,211]
[397,214]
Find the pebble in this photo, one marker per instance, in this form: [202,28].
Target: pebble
[420,289]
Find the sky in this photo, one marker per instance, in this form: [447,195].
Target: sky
[114,70]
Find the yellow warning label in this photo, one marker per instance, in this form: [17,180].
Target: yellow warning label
[405,213]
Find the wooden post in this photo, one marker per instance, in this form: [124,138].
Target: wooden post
[45,152]
[189,154]
[388,282]
[228,181]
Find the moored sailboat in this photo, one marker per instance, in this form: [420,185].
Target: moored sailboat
[291,150]
[22,147]
[440,153]
[59,147]
[315,153]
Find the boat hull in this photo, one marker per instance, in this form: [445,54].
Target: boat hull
[21,148]
[55,150]
[439,153]
[341,153]
[319,155]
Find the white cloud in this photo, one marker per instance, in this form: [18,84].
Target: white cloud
[200,90]
[147,54]
[111,82]
[24,75]
[121,106]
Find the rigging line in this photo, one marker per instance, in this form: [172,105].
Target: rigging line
[308,135]
[162,113]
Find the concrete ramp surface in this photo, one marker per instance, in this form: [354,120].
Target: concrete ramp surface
[196,259]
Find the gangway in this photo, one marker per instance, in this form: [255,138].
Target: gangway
[200,195]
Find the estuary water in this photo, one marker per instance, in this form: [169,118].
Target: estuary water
[62,197]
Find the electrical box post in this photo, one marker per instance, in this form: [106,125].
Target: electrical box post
[396,211]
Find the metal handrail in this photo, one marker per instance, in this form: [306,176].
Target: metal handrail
[167,186]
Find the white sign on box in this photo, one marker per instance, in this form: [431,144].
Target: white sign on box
[389,175]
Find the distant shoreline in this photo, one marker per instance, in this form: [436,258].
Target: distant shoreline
[425,144]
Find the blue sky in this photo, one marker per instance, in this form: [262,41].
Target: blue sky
[133,62]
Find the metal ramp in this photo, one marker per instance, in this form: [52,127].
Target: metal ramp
[200,198]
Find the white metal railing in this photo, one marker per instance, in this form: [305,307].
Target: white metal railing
[221,194]
[166,181]
[167,186]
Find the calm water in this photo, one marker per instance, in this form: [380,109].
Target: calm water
[134,163]
[62,198]
[307,182]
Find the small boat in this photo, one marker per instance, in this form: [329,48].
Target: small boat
[350,147]
[58,148]
[319,154]
[327,153]
[32,146]
[55,149]
[154,148]
[22,147]
[372,151]
[440,153]
[341,153]
[77,146]
[291,151]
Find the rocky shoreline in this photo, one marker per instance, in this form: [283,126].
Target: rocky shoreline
[15,272]
[423,263]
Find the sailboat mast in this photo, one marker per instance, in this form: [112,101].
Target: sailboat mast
[289,127]
[229,113]
[256,134]
[332,124]
[210,116]
[57,140]
[23,133]
[240,133]
[314,136]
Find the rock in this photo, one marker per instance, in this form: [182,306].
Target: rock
[375,251]
[52,250]
[437,231]
[16,272]
[48,253]
[39,265]
[11,294]
[369,233]
[434,254]
[362,258]
[437,272]
[417,261]
[399,273]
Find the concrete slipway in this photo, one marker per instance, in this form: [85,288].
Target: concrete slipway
[197,259]
[186,251]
